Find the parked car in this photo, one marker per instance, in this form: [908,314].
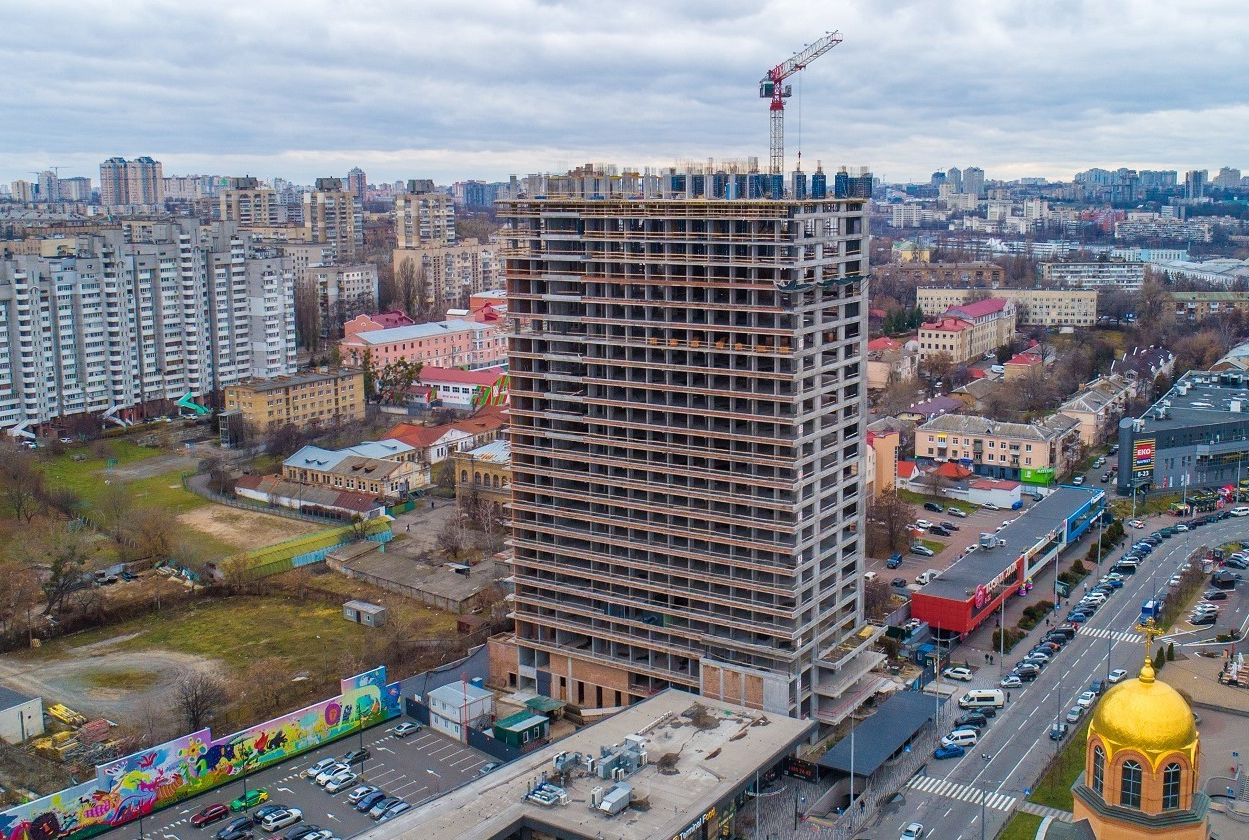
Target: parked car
[251,799]
[1078,480]
[934,507]
[1074,714]
[360,792]
[1117,675]
[898,582]
[356,756]
[958,673]
[211,813]
[1105,478]
[394,811]
[382,805]
[950,526]
[330,772]
[1239,511]
[912,831]
[281,819]
[937,530]
[489,767]
[1214,595]
[894,561]
[265,810]
[954,751]
[1011,681]
[1136,523]
[923,524]
[316,769]
[1087,699]
[300,832]
[958,513]
[1077,617]
[1097,686]
[990,506]
[922,550]
[341,781]
[406,728]
[973,719]
[1057,731]
[1203,620]
[236,834]
[368,801]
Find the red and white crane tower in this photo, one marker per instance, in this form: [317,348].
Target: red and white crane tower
[772,86]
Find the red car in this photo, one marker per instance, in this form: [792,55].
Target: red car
[212,813]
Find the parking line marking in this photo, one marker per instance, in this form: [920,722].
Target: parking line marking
[386,749]
[461,761]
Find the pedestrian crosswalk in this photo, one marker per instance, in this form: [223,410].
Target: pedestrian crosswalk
[966,793]
[1117,635]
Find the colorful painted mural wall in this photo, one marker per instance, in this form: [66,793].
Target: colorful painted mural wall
[155,778]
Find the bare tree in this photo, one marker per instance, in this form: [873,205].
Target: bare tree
[115,504]
[888,518]
[938,365]
[266,681]
[65,553]
[451,537]
[197,698]
[21,483]
[236,572]
[307,316]
[877,599]
[18,596]
[153,530]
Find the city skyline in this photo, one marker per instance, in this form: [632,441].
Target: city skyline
[547,86]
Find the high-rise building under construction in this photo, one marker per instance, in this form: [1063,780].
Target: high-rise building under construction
[687,410]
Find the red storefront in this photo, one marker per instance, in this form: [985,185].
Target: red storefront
[964,598]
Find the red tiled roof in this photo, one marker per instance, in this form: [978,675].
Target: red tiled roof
[883,343]
[487,419]
[431,375]
[948,324]
[952,470]
[981,307]
[906,469]
[1024,359]
[994,484]
[393,318]
[420,437]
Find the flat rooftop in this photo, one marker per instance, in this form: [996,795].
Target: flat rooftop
[1201,398]
[1034,525]
[716,753]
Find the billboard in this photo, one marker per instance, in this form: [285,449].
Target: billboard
[1042,476]
[154,778]
[1143,455]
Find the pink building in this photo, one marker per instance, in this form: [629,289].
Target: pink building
[445,344]
[380,321]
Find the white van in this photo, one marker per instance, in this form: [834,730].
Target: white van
[868,577]
[978,698]
[924,578]
[960,738]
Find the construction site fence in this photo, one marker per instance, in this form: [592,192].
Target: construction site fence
[303,551]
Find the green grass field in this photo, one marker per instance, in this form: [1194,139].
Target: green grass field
[238,631]
[87,478]
[1021,827]
[1054,789]
[919,499]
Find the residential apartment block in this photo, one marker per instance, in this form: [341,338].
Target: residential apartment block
[687,398]
[315,398]
[138,181]
[890,361]
[1033,307]
[1033,453]
[426,218]
[1093,275]
[122,327]
[1164,228]
[969,330]
[250,205]
[1098,406]
[333,216]
[1197,306]
[342,292]
[981,274]
[384,468]
[452,273]
[453,343]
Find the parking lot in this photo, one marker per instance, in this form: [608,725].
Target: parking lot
[415,768]
[956,543]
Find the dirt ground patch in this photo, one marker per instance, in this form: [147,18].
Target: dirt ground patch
[244,530]
[103,681]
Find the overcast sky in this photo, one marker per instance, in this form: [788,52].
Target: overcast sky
[459,89]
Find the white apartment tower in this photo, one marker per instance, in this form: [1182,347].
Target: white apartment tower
[334,216]
[687,415]
[424,219]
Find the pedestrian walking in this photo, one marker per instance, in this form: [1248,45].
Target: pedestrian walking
[986,657]
[408,528]
[1008,697]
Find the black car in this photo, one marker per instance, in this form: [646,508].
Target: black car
[240,834]
[1068,630]
[1214,595]
[949,526]
[356,756]
[938,531]
[1025,667]
[1206,618]
[1025,673]
[301,831]
[900,583]
[974,719]
[934,507]
[1097,687]
[372,799]
[1059,639]
[233,827]
[1236,563]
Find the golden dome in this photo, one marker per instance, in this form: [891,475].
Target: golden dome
[1147,715]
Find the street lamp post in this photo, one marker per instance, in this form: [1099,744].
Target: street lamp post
[984,793]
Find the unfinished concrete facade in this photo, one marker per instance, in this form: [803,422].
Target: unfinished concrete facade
[687,404]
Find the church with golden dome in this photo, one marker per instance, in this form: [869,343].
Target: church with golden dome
[1140,769]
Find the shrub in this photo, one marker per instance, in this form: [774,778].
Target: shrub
[1160,659]
[1171,651]
[1079,568]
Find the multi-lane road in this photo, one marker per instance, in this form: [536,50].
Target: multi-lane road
[1015,747]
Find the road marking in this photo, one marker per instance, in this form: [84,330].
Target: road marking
[332,817]
[442,749]
[470,757]
[386,749]
[964,793]
[286,790]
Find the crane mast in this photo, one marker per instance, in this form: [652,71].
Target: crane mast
[772,86]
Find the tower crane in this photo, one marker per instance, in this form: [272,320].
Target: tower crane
[772,86]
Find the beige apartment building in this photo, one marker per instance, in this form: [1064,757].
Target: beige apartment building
[1197,306]
[249,204]
[975,273]
[1098,406]
[453,273]
[1033,453]
[138,181]
[333,216]
[968,331]
[1033,307]
[426,218]
[323,398]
